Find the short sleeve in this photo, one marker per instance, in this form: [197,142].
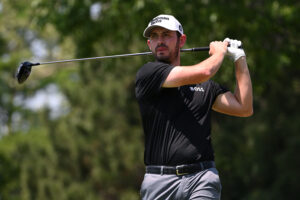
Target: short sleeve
[217,89]
[150,78]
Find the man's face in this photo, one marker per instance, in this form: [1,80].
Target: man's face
[164,44]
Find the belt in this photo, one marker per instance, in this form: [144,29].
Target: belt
[180,169]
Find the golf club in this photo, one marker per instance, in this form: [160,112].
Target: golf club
[24,69]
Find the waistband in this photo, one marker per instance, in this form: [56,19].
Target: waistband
[180,170]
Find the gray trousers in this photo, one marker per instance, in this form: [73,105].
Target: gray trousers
[203,185]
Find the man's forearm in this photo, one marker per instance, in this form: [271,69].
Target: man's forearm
[201,72]
[210,66]
[243,90]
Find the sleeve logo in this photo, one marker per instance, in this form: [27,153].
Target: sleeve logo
[197,89]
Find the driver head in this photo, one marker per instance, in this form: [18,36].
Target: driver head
[24,71]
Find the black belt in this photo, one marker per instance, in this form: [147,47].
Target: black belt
[180,169]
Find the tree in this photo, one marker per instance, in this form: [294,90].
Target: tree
[95,150]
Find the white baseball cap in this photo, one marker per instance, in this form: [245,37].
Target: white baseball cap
[166,21]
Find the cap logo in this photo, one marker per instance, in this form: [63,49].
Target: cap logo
[165,21]
[180,28]
[158,20]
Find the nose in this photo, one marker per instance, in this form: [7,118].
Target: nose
[160,39]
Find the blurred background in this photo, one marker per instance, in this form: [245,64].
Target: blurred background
[73,131]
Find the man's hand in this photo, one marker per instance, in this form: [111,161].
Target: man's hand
[234,51]
[218,47]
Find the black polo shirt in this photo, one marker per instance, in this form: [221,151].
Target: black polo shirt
[176,121]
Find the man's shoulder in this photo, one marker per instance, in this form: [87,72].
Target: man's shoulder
[154,64]
[146,65]
[151,67]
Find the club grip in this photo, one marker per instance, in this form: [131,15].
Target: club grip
[201,49]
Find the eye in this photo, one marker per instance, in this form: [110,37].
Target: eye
[166,34]
[153,37]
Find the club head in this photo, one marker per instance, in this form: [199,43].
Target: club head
[24,71]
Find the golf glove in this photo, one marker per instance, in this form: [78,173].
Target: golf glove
[234,51]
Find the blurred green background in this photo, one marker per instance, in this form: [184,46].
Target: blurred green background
[73,131]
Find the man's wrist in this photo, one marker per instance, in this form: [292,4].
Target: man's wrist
[240,59]
[219,54]
[241,64]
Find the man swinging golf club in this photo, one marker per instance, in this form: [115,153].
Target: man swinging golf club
[175,103]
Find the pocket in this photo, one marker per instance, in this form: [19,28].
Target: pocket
[214,179]
[146,185]
[142,190]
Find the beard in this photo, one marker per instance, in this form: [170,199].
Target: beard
[167,58]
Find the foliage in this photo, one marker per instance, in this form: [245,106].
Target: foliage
[94,150]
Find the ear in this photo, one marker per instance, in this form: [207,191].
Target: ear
[148,43]
[182,40]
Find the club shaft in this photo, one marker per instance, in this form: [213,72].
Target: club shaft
[195,49]
[117,56]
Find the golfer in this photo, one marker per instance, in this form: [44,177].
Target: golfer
[175,103]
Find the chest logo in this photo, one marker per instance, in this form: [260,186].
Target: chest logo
[197,89]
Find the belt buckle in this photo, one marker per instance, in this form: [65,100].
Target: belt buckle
[178,173]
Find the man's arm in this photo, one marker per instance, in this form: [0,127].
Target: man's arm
[238,103]
[200,72]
